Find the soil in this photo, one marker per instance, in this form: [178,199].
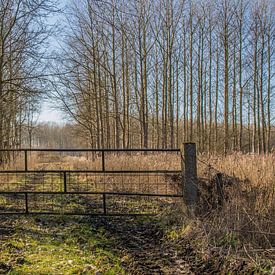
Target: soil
[143,247]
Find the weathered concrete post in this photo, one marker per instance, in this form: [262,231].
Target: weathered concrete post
[190,178]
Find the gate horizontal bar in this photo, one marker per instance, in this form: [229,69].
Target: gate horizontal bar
[93,171]
[80,214]
[89,150]
[90,193]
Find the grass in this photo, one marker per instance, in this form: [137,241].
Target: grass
[237,237]
[249,208]
[56,245]
[93,161]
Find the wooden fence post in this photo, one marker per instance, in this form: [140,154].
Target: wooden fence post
[190,178]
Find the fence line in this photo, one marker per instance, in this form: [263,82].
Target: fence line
[65,175]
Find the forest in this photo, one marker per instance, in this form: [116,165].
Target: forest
[161,157]
[142,74]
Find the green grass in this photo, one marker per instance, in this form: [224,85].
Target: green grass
[56,245]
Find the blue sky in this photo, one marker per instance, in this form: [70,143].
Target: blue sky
[48,113]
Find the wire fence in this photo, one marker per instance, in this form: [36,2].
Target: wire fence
[98,188]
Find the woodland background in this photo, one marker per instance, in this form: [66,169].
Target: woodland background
[131,74]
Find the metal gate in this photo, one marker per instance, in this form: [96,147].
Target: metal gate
[94,182]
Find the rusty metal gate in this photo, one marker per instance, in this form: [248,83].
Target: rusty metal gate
[94,182]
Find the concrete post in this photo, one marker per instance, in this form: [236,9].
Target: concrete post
[190,177]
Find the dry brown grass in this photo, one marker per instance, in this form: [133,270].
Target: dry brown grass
[238,236]
[248,213]
[93,161]
[249,208]
[249,186]
[121,161]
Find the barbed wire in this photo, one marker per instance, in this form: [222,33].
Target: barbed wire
[210,167]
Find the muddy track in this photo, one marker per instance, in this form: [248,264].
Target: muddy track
[142,247]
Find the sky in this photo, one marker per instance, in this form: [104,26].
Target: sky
[48,112]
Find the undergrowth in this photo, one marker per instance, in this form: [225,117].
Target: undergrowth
[236,235]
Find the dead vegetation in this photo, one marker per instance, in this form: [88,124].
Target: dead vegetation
[233,232]
[249,197]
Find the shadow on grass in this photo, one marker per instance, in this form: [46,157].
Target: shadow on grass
[83,245]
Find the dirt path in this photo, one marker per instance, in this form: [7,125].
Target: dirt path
[142,247]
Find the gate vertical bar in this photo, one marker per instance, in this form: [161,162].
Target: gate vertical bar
[65,182]
[103,160]
[26,159]
[190,176]
[26,203]
[104,204]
